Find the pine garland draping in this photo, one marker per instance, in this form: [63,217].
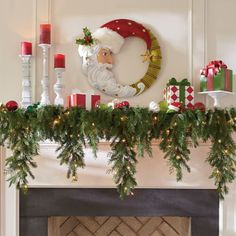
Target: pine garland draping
[130,132]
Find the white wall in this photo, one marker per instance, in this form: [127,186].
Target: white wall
[190,32]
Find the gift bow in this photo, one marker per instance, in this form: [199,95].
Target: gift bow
[183,82]
[215,66]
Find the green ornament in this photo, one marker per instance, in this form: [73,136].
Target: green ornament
[103,106]
[163,105]
[30,108]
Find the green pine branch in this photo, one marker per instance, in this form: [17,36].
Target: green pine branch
[130,131]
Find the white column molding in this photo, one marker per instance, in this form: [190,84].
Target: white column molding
[10,201]
[2,191]
[190,40]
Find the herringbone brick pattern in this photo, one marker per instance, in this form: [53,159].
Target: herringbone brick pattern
[118,226]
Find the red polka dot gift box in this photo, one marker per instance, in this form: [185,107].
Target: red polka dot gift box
[179,91]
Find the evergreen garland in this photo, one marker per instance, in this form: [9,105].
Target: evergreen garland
[130,132]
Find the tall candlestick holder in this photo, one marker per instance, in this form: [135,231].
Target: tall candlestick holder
[58,87]
[45,81]
[26,82]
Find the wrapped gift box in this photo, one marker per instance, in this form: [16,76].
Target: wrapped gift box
[215,76]
[87,100]
[179,92]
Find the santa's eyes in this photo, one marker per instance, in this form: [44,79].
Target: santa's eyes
[107,54]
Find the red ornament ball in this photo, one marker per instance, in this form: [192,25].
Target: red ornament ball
[200,106]
[11,105]
[122,104]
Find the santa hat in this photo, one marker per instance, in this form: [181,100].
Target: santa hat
[108,38]
[112,34]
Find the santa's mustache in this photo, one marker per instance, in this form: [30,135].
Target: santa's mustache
[105,65]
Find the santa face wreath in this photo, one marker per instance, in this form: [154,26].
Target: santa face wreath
[97,48]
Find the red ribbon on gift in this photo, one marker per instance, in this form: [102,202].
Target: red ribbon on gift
[227,80]
[211,69]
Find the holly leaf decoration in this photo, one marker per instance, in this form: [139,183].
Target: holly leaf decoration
[87,40]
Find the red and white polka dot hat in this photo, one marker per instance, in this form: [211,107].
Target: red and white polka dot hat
[112,34]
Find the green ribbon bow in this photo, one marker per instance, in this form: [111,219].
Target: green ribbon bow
[183,82]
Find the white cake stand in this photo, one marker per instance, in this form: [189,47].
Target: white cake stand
[217,95]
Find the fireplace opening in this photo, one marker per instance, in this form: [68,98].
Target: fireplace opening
[152,212]
[118,226]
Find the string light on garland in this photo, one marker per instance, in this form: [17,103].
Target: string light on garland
[74,178]
[123,118]
[22,131]
[56,121]
[178,157]
[67,113]
[155,119]
[25,188]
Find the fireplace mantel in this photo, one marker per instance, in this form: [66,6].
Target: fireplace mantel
[153,173]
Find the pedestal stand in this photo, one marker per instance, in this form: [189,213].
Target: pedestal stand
[45,81]
[217,95]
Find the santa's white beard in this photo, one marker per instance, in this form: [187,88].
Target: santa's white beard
[103,79]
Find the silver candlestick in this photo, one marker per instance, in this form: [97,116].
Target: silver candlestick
[26,82]
[58,87]
[45,81]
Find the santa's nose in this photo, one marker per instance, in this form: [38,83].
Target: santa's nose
[110,60]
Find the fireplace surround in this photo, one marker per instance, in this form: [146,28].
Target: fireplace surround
[202,205]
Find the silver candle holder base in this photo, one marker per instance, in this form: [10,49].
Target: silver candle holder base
[58,87]
[26,82]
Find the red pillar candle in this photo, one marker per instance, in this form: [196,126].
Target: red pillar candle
[59,61]
[26,48]
[45,34]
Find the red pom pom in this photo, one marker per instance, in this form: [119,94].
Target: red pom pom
[199,106]
[11,105]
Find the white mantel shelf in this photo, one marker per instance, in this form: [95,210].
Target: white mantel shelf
[151,172]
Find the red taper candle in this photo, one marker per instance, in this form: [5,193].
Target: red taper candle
[26,48]
[45,34]
[59,61]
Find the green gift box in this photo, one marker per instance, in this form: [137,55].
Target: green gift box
[215,78]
